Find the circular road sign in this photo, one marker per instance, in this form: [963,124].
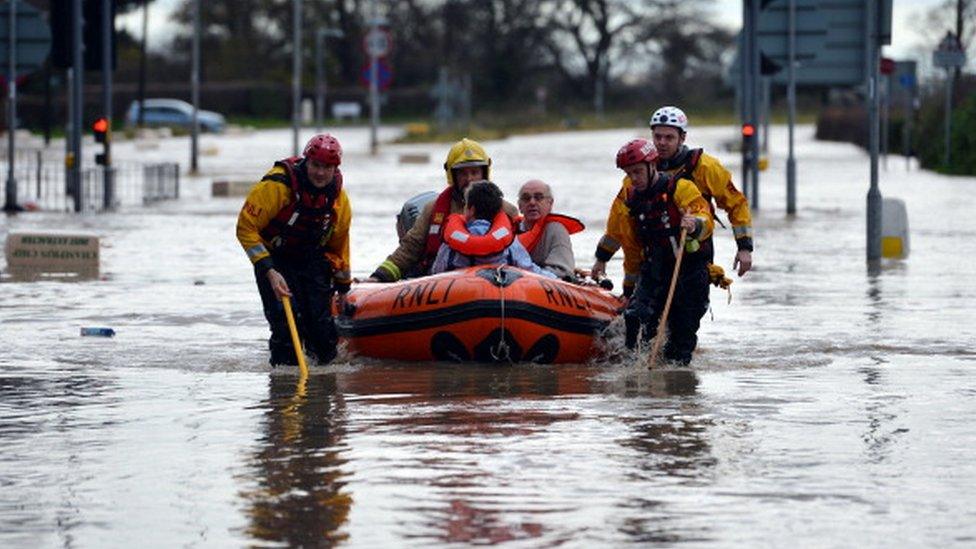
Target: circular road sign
[377,42]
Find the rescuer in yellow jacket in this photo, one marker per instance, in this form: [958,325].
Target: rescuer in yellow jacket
[646,219]
[294,227]
[466,162]
[669,127]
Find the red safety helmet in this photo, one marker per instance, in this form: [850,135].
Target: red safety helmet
[324,148]
[638,150]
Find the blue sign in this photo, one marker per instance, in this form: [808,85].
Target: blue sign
[384,72]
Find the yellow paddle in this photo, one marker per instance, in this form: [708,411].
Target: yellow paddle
[302,367]
[659,338]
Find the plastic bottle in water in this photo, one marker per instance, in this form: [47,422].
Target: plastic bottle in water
[98,332]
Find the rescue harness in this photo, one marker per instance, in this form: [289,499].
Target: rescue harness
[302,225]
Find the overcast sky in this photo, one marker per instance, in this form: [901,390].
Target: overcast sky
[904,40]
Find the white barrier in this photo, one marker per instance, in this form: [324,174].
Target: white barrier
[894,228]
[346,109]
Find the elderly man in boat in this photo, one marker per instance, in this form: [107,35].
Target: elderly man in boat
[466,162]
[546,234]
[482,235]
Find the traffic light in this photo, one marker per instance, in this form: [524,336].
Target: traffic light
[748,130]
[101,128]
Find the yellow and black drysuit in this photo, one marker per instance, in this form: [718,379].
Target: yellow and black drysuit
[647,224]
[715,183]
[302,232]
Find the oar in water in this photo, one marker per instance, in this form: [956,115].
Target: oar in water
[302,367]
[663,322]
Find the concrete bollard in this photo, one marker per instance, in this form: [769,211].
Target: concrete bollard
[414,158]
[227,187]
[894,228]
[42,255]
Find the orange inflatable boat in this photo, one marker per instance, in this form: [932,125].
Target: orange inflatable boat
[483,313]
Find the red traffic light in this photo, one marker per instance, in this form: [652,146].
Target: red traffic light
[748,130]
[887,66]
[100,125]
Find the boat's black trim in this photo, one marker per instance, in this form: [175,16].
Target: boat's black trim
[487,308]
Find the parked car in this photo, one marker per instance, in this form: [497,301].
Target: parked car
[174,113]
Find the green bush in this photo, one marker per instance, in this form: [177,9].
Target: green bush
[929,140]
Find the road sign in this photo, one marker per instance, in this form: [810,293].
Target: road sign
[377,42]
[384,70]
[33,37]
[949,54]
[836,25]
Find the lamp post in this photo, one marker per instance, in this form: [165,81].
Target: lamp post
[320,80]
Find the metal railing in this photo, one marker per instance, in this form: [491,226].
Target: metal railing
[41,183]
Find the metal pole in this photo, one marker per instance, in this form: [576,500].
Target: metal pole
[744,91]
[319,80]
[948,117]
[874,194]
[195,90]
[756,80]
[78,84]
[886,120]
[11,200]
[374,94]
[142,63]
[791,111]
[767,107]
[296,74]
[906,134]
[108,179]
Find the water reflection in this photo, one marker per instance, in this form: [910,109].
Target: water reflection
[299,468]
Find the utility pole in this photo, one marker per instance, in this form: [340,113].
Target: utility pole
[791,110]
[142,63]
[195,89]
[873,99]
[77,85]
[296,74]
[11,198]
[321,83]
[108,174]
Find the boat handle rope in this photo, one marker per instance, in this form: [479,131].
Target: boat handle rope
[501,351]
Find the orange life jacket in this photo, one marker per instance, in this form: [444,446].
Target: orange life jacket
[530,238]
[499,237]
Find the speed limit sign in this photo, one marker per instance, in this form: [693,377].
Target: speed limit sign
[377,42]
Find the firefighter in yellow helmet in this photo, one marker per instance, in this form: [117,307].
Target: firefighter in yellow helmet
[466,162]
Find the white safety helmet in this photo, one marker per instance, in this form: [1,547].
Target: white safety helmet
[669,116]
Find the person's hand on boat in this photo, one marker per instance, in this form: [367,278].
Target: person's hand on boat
[598,270]
[278,284]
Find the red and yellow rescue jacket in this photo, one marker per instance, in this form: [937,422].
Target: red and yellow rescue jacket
[623,231]
[714,182]
[280,215]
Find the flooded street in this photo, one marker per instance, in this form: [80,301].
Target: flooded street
[826,406]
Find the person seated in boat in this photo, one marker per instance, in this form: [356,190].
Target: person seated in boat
[466,162]
[294,227]
[646,219]
[482,235]
[545,234]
